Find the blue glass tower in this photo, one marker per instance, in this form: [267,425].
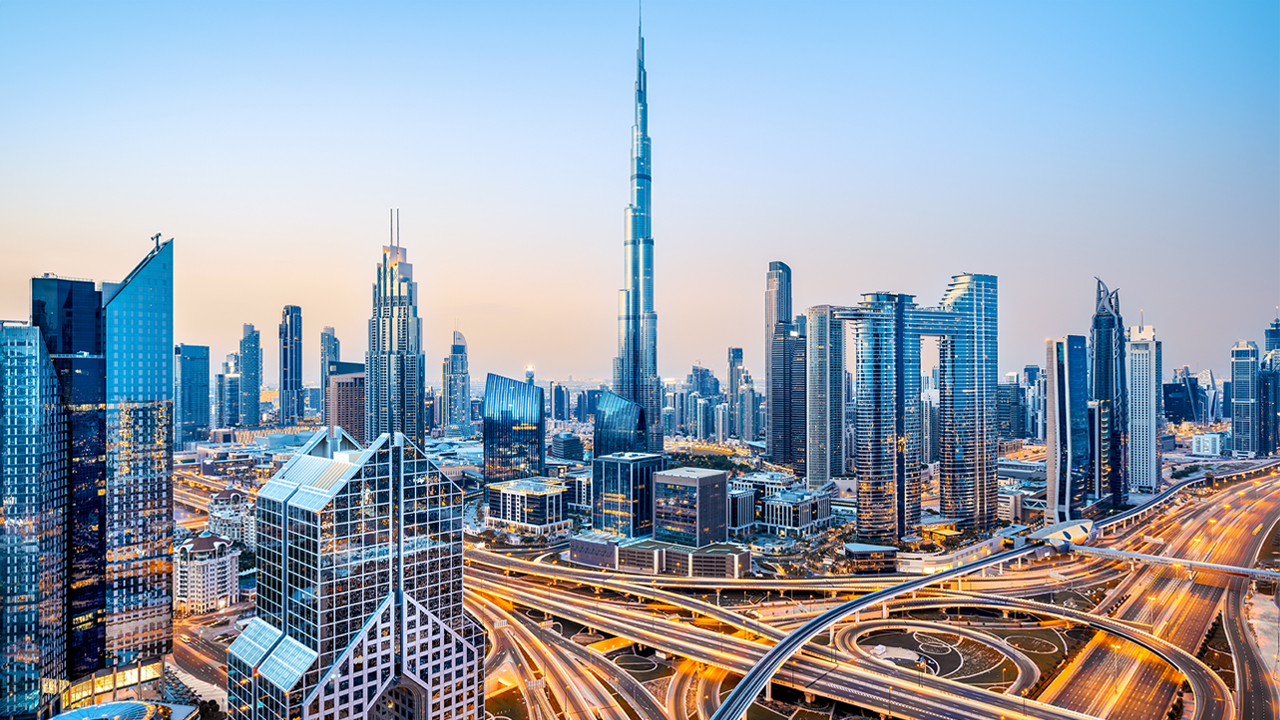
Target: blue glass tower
[1111,390]
[619,426]
[250,377]
[190,394]
[515,429]
[138,316]
[33,480]
[292,396]
[1068,448]
[635,370]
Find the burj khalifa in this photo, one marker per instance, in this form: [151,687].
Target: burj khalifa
[635,370]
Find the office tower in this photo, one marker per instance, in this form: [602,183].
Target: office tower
[328,620]
[1011,410]
[690,506]
[824,393]
[515,429]
[722,416]
[34,480]
[1271,336]
[622,493]
[344,407]
[1145,423]
[635,369]
[691,400]
[620,426]
[394,366]
[226,403]
[1067,445]
[1244,399]
[559,402]
[456,390]
[1269,404]
[190,394]
[777,309]
[250,369]
[330,351]
[68,314]
[292,399]
[787,400]
[1108,388]
[748,408]
[704,382]
[566,446]
[733,378]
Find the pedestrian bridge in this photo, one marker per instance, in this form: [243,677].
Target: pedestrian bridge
[1195,565]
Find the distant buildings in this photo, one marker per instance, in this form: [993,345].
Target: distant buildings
[515,428]
[777,309]
[622,493]
[1142,353]
[1067,445]
[690,506]
[733,378]
[206,575]
[226,397]
[312,639]
[249,367]
[394,364]
[1244,399]
[190,394]
[293,398]
[456,390]
[330,352]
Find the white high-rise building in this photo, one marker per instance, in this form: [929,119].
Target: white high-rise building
[1145,423]
[457,390]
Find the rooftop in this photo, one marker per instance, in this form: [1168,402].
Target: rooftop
[531,486]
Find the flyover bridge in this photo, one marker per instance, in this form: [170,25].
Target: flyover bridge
[1196,565]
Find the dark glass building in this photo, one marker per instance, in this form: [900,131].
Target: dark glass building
[69,316]
[1067,433]
[622,493]
[690,506]
[1011,411]
[190,394]
[787,399]
[515,429]
[250,377]
[293,399]
[619,426]
[1110,389]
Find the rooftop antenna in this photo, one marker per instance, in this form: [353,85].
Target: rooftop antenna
[397,227]
[156,238]
[391,226]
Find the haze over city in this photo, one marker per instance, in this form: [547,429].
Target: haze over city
[871,146]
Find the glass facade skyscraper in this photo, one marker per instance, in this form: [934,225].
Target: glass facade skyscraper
[1244,399]
[515,429]
[1110,389]
[1067,443]
[330,352]
[457,389]
[635,369]
[787,399]
[33,574]
[293,399]
[733,381]
[394,365]
[824,395]
[777,309]
[138,315]
[359,591]
[619,426]
[250,370]
[190,394]
[622,493]
[69,316]
[1142,356]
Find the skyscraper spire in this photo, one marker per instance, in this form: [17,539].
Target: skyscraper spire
[635,371]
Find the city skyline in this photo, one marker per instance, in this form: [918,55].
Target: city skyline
[1178,122]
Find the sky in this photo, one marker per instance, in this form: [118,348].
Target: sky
[872,146]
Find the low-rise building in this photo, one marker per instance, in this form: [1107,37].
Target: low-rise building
[1207,444]
[690,506]
[206,575]
[531,506]
[794,513]
[742,511]
[566,446]
[871,559]
[651,557]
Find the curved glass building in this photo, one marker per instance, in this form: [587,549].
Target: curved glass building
[515,429]
[619,427]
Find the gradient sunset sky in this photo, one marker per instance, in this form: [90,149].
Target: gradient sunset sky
[871,146]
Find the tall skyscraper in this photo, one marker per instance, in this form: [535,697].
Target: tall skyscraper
[33,480]
[635,370]
[824,395]
[1145,421]
[620,426]
[787,399]
[1271,336]
[1269,404]
[1110,390]
[68,314]
[394,366]
[777,309]
[190,394]
[734,380]
[748,408]
[702,381]
[1067,446]
[292,397]
[327,620]
[250,377]
[515,429]
[330,352]
[1244,399]
[226,398]
[457,390]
